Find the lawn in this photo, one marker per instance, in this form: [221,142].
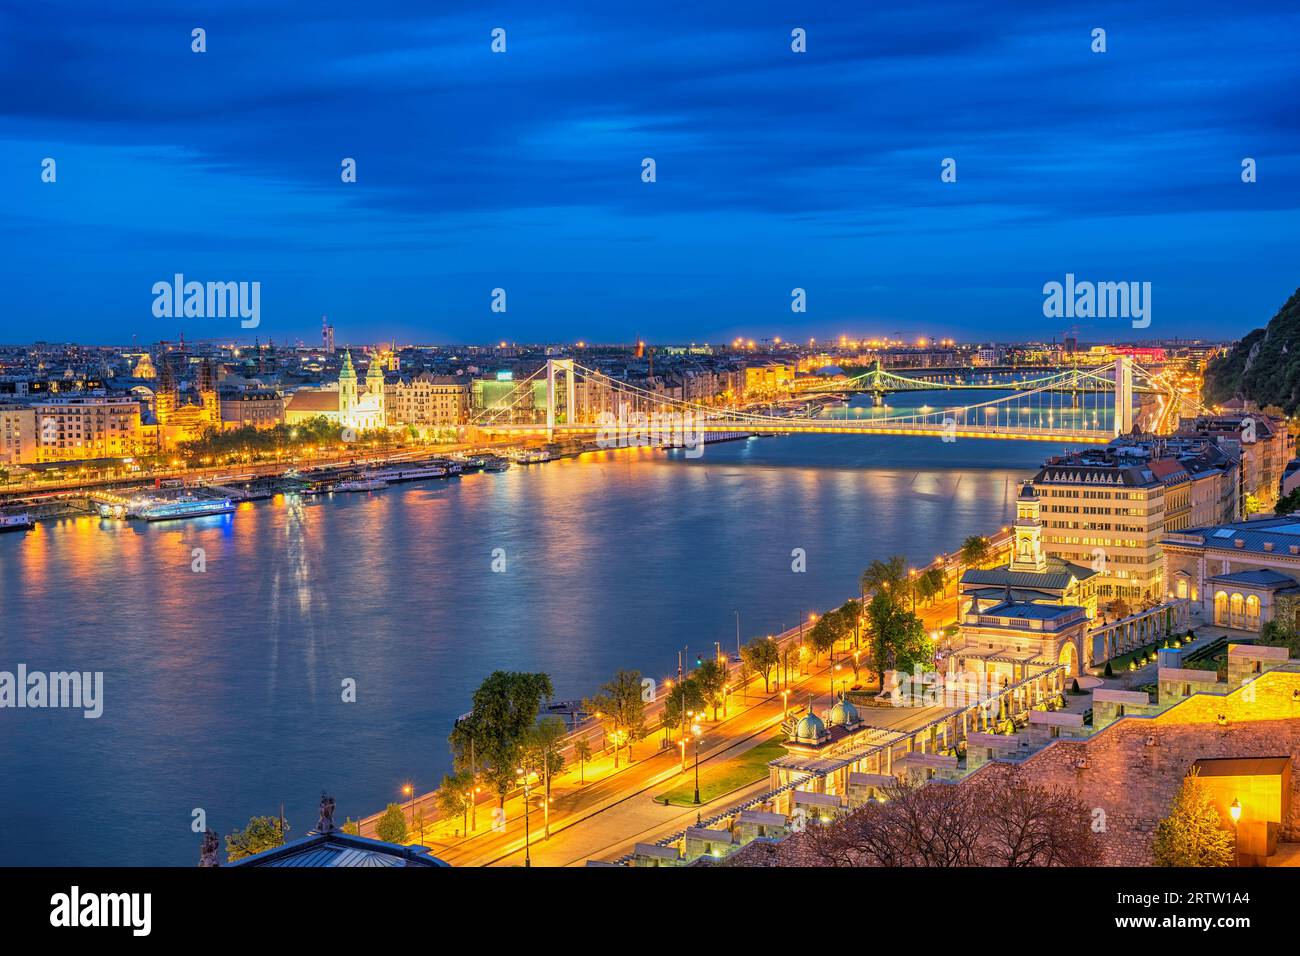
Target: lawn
[720,779]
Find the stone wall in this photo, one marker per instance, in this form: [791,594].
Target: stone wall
[1132,769]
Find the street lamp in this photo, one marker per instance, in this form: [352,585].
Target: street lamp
[695,730]
[523,779]
[1234,811]
[409,791]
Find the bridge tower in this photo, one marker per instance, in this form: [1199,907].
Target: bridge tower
[566,367]
[1124,413]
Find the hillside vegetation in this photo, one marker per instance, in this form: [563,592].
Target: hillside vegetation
[1264,366]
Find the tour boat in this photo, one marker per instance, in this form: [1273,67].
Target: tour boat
[361,484]
[188,506]
[411,474]
[496,464]
[16,523]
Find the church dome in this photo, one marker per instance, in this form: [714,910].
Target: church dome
[843,713]
[810,729]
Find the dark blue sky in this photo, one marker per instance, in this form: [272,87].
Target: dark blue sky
[522,170]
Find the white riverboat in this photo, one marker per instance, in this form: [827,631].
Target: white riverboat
[22,522]
[361,484]
[172,509]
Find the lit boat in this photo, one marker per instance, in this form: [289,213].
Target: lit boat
[496,464]
[411,474]
[16,523]
[153,509]
[361,484]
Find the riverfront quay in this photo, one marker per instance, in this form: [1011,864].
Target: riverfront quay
[204,670]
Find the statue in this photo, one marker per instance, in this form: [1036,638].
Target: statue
[326,822]
[208,851]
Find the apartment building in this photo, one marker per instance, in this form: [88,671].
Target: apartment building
[427,400]
[1100,511]
[17,434]
[255,407]
[89,427]
[1261,444]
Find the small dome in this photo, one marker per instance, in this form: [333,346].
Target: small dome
[843,713]
[810,728]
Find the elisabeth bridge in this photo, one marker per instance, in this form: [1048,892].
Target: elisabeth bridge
[1075,405]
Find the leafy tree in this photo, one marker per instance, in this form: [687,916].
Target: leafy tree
[582,753]
[1191,835]
[489,739]
[621,709]
[929,583]
[761,656]
[542,756]
[1288,503]
[711,677]
[686,697]
[824,633]
[1108,671]
[888,575]
[1276,633]
[899,639]
[456,796]
[392,825]
[262,833]
[351,826]
[851,619]
[975,550]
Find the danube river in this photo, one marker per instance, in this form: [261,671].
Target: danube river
[223,688]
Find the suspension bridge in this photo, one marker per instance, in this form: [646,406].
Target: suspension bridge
[880,382]
[1074,406]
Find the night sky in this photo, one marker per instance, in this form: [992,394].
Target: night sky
[522,170]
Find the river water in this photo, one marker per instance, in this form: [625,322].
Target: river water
[223,688]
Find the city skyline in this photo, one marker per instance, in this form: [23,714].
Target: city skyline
[522,171]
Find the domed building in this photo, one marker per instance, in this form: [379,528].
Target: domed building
[809,730]
[844,714]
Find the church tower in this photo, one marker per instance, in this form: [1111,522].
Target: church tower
[208,393]
[375,387]
[347,390]
[1028,555]
[167,397]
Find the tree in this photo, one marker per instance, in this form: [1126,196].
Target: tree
[1278,634]
[851,619]
[456,797]
[391,827]
[582,753]
[929,583]
[488,740]
[621,709]
[686,697]
[351,826]
[1192,835]
[947,825]
[885,575]
[262,833]
[761,656]
[898,637]
[542,755]
[1288,503]
[975,550]
[711,677]
[824,633]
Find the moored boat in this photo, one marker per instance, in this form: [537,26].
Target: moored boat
[21,522]
[361,484]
